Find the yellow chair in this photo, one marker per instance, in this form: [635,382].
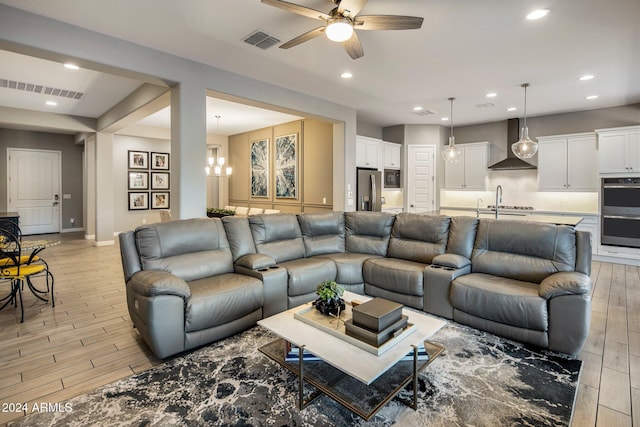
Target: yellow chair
[16,273]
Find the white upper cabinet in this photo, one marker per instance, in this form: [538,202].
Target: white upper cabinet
[619,150]
[368,152]
[568,163]
[391,155]
[470,171]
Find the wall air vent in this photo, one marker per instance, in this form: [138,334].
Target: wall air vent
[36,88]
[261,39]
[425,112]
[486,105]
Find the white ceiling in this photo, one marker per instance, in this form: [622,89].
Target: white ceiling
[465,49]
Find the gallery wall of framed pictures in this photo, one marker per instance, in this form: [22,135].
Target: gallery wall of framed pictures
[148,180]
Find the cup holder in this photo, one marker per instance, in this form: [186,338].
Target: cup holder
[442,267]
[263,269]
[274,267]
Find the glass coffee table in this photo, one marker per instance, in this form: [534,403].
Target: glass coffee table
[357,379]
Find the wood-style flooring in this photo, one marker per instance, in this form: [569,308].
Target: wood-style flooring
[87,340]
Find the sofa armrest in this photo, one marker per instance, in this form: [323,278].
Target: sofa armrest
[150,283]
[255,261]
[565,283]
[451,260]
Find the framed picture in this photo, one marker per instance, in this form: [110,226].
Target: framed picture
[160,161]
[159,180]
[160,200]
[138,180]
[259,168]
[138,201]
[138,159]
[287,166]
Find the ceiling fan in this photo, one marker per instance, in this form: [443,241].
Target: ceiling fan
[341,22]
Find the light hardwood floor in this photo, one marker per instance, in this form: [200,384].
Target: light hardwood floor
[87,340]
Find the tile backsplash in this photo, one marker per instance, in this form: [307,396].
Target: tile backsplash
[520,188]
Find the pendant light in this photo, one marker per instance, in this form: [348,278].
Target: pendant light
[217,162]
[525,148]
[451,153]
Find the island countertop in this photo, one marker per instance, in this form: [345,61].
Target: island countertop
[549,219]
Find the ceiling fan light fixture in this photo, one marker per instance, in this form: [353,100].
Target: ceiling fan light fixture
[339,29]
[525,148]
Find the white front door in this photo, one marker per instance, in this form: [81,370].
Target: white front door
[421,178]
[33,181]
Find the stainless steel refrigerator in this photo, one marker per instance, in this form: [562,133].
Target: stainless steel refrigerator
[369,183]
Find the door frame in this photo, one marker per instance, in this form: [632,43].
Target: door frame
[61,196]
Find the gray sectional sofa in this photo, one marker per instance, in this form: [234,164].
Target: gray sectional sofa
[191,282]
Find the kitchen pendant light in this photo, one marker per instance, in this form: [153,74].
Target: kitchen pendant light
[525,148]
[451,153]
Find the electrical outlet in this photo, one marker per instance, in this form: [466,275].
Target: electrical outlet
[324,200]
[144,220]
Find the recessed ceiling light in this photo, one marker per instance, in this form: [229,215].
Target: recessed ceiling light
[592,97]
[346,75]
[444,119]
[71,66]
[537,14]
[586,77]
[51,103]
[492,95]
[511,109]
[418,108]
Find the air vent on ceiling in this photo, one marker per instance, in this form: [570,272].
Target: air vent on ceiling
[425,112]
[36,88]
[486,105]
[261,39]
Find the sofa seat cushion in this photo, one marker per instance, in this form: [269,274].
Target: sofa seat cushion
[305,274]
[395,275]
[348,266]
[221,299]
[499,299]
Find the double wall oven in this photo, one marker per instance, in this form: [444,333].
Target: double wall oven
[620,209]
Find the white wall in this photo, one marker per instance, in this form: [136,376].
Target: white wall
[123,218]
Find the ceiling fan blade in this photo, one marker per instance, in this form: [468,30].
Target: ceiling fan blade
[297,9]
[387,22]
[353,47]
[353,7]
[303,38]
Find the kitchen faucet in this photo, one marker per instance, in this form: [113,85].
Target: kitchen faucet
[498,198]
[478,207]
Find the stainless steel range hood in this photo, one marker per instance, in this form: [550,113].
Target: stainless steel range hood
[512,162]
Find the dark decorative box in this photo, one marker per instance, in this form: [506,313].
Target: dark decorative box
[375,339]
[376,314]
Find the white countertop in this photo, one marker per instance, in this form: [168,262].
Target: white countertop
[515,215]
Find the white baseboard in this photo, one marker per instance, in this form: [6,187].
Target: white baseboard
[89,237]
[105,243]
[71,230]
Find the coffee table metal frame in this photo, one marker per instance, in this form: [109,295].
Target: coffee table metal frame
[347,364]
[298,369]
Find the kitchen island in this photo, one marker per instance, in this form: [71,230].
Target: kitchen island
[515,216]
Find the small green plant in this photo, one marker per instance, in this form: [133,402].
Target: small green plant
[218,211]
[329,290]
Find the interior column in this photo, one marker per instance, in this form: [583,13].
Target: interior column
[188,151]
[104,189]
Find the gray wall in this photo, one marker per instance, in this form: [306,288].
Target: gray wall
[71,167]
[495,132]
[366,129]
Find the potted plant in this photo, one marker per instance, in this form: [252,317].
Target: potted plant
[219,213]
[329,301]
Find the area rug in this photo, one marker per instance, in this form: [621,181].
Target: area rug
[480,380]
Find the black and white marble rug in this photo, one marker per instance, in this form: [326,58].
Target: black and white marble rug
[480,380]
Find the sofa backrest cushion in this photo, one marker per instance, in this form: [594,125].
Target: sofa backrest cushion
[190,249]
[462,235]
[322,233]
[368,232]
[417,237]
[523,250]
[277,235]
[239,236]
